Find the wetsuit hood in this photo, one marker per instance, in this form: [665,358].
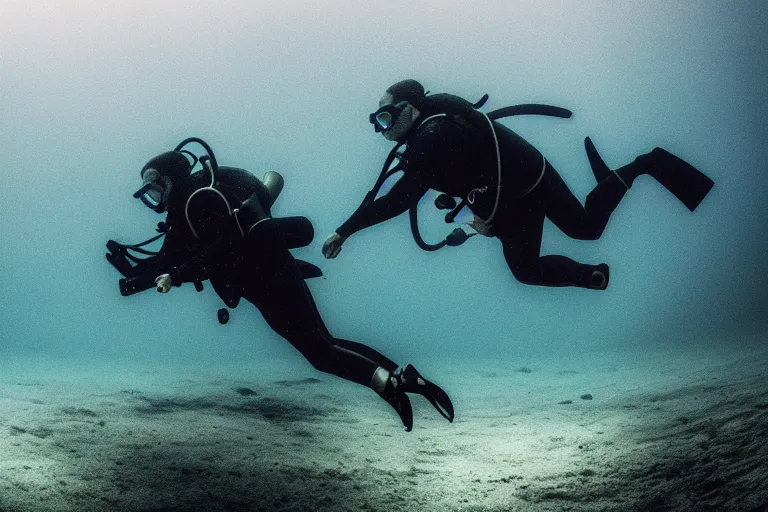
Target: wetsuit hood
[408,90]
[172,164]
[159,176]
[400,115]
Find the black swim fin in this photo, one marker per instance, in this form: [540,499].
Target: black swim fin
[402,405]
[599,169]
[308,270]
[683,180]
[687,183]
[411,381]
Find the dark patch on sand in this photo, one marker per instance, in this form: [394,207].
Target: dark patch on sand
[169,405]
[687,392]
[30,383]
[40,432]
[79,411]
[435,453]
[505,479]
[245,391]
[298,382]
[304,434]
[271,409]
[160,478]
[278,410]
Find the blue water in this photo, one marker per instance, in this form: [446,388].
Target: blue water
[90,91]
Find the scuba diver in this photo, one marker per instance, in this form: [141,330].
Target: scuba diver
[509,186]
[219,228]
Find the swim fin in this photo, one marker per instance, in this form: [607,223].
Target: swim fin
[411,381]
[599,169]
[308,270]
[687,183]
[402,405]
[683,180]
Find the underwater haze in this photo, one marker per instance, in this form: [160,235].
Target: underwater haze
[90,91]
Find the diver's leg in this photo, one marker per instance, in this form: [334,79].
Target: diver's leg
[566,212]
[683,180]
[588,222]
[551,270]
[353,346]
[288,307]
[368,352]
[281,295]
[289,312]
[521,243]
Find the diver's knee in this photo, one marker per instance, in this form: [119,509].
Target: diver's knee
[589,232]
[321,364]
[319,355]
[525,274]
[318,359]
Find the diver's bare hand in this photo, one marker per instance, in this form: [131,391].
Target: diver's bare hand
[164,283]
[332,245]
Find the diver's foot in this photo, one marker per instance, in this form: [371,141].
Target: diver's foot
[600,277]
[401,404]
[596,278]
[411,381]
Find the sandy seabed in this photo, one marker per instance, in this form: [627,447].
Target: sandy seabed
[671,431]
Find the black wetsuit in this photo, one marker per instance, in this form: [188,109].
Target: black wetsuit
[455,157]
[264,272]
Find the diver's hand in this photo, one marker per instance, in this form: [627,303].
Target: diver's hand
[120,262]
[164,283]
[332,245]
[114,247]
[116,257]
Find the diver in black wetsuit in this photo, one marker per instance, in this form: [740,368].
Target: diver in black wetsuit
[507,183]
[219,228]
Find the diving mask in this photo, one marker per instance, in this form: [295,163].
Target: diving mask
[154,193]
[386,117]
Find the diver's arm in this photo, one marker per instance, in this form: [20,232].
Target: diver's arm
[136,283]
[118,259]
[142,277]
[197,268]
[404,194]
